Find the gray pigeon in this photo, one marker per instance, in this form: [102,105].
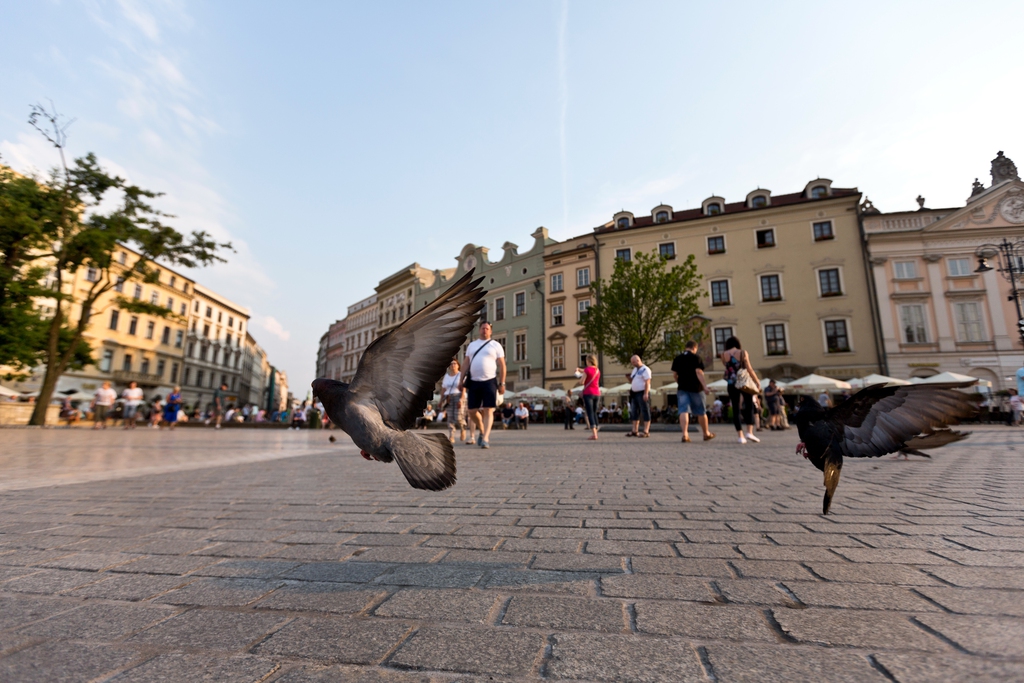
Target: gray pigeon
[395,379]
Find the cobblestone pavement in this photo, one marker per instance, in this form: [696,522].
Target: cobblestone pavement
[551,559]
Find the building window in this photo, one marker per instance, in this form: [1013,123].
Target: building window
[119,287]
[107,361]
[220,316]
[170,303]
[623,222]
[720,293]
[775,339]
[165,338]
[133,325]
[92,275]
[199,377]
[721,335]
[127,365]
[759,202]
[520,346]
[915,331]
[556,315]
[828,278]
[819,191]
[524,373]
[904,270]
[174,373]
[714,208]
[583,277]
[836,338]
[203,348]
[501,340]
[667,250]
[661,217]
[154,297]
[179,336]
[144,366]
[150,329]
[483,314]
[187,376]
[173,281]
[771,288]
[969,327]
[959,267]
[161,365]
[558,356]
[586,348]
[114,315]
[766,238]
[138,292]
[623,254]
[122,257]
[716,244]
[556,282]
[206,330]
[182,308]
[520,304]
[582,308]
[231,321]
[209,312]
[823,231]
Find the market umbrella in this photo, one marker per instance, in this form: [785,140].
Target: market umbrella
[814,382]
[954,377]
[4,391]
[668,388]
[720,385]
[765,380]
[872,379]
[535,392]
[557,393]
[621,389]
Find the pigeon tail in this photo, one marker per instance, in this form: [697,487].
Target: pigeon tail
[426,460]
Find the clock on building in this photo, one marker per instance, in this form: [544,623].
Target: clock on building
[1012,208]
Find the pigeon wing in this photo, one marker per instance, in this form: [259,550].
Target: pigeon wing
[398,371]
[880,419]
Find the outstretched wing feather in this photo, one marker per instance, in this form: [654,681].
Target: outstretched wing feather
[398,371]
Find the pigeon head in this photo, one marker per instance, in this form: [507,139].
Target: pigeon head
[328,390]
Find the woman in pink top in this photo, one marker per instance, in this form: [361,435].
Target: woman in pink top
[590,378]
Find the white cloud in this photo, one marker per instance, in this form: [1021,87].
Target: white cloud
[270,324]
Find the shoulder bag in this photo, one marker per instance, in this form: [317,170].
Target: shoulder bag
[745,383]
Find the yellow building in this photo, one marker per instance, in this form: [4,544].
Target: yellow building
[127,346]
[784,273]
[395,296]
[569,268]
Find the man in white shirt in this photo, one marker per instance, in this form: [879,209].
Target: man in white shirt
[101,404]
[483,376]
[639,397]
[522,416]
[133,398]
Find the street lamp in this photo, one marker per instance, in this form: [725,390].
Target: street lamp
[1010,264]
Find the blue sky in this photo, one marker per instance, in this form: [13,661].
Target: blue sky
[334,143]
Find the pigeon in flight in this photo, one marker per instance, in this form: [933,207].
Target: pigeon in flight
[395,379]
[937,439]
[876,420]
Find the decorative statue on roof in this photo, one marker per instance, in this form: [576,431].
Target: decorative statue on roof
[1003,169]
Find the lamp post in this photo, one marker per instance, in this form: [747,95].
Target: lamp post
[1009,264]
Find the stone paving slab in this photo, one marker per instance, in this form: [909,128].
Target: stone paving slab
[155,556]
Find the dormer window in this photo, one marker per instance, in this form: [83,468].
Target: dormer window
[819,188]
[759,202]
[661,217]
[713,209]
[622,222]
[623,219]
[819,191]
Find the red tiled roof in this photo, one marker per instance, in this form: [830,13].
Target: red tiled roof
[731,208]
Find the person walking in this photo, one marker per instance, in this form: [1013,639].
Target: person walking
[773,397]
[734,358]
[219,396]
[483,377]
[101,404]
[590,378]
[133,398]
[568,413]
[156,411]
[453,402]
[688,369]
[639,397]
[172,406]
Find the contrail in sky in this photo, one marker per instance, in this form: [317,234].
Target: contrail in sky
[563,87]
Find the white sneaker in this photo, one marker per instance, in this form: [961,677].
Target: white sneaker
[751,437]
[741,439]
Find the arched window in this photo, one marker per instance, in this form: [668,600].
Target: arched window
[714,209]
[819,191]
[623,222]
[661,217]
[759,202]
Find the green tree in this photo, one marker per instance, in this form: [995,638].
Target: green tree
[73,232]
[646,309]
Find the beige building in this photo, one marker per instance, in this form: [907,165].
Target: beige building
[784,273]
[127,346]
[937,313]
[569,268]
[395,296]
[255,373]
[360,330]
[214,348]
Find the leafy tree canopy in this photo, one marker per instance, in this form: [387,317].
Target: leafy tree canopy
[646,309]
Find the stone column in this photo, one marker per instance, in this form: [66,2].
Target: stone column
[947,339]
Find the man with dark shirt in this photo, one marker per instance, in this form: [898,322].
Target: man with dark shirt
[688,370]
[219,396]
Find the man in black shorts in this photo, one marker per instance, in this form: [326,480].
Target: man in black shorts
[483,375]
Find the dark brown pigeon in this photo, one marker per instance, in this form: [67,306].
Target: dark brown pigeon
[876,420]
[395,379]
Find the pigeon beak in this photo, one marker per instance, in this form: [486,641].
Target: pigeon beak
[831,482]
